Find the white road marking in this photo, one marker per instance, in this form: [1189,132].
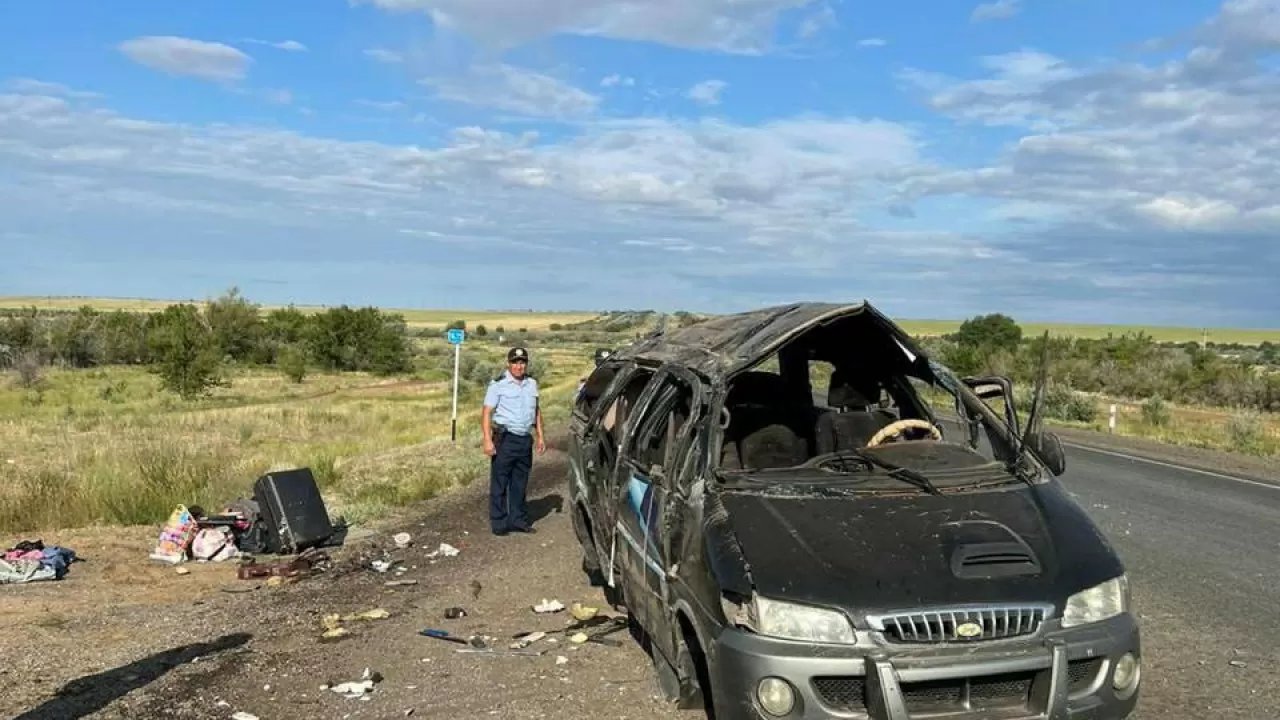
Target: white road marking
[1175,466]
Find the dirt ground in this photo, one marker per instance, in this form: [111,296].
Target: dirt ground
[126,637]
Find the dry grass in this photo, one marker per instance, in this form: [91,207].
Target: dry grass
[109,447]
[1242,432]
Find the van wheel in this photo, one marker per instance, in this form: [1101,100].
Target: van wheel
[692,661]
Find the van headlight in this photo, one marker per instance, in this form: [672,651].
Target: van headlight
[1098,603]
[799,622]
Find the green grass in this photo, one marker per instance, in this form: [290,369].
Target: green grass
[513,320]
[934,328]
[110,447]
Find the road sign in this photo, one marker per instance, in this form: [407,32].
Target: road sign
[456,336]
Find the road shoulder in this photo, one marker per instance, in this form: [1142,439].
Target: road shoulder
[1248,467]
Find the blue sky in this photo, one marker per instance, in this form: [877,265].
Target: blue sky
[1082,161]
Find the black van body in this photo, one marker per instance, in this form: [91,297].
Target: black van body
[785,554]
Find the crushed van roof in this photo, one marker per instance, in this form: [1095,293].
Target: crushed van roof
[727,342]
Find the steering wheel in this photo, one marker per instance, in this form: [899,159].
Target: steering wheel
[898,427]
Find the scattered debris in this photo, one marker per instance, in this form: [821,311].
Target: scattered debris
[356,689]
[561,660]
[527,639]
[474,641]
[501,651]
[333,623]
[578,638]
[582,613]
[402,540]
[445,550]
[374,614]
[32,561]
[243,716]
[548,606]
[182,571]
[476,587]
[454,613]
[400,583]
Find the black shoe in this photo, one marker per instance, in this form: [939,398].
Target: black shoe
[500,533]
[529,530]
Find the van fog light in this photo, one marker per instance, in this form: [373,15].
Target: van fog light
[1125,676]
[775,696]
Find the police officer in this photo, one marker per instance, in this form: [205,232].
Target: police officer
[512,425]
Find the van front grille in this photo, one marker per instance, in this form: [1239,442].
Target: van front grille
[961,625]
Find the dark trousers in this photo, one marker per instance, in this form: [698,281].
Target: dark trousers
[508,481]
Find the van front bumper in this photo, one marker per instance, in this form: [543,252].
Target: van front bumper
[1060,675]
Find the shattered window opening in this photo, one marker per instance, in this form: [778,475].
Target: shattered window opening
[784,417]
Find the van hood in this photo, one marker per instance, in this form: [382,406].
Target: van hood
[869,554]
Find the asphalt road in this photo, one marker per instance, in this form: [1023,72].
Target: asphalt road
[1201,552]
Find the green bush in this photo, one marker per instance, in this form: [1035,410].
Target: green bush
[1155,412]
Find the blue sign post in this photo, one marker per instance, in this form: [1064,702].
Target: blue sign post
[455,336]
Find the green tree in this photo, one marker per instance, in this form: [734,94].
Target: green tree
[360,340]
[123,338]
[996,331]
[185,350]
[293,362]
[236,325]
[282,327]
[73,338]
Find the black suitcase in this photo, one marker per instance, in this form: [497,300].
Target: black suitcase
[293,511]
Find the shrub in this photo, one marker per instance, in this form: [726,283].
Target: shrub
[1155,412]
[1246,431]
[27,365]
[293,362]
[186,352]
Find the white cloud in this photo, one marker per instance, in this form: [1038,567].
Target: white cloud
[791,188]
[616,79]
[278,97]
[1127,163]
[505,87]
[707,92]
[741,26]
[997,10]
[286,45]
[185,56]
[384,55]
[41,87]
[818,21]
[873,42]
[384,105]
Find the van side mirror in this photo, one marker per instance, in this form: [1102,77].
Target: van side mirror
[1048,447]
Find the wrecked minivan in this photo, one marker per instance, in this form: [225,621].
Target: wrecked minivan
[805,516]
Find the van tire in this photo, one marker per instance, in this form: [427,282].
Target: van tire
[692,664]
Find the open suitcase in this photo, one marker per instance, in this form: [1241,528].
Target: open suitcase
[292,510]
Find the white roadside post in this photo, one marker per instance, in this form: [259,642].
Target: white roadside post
[1111,421]
[456,337]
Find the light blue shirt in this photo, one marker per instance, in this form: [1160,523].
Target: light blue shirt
[515,402]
